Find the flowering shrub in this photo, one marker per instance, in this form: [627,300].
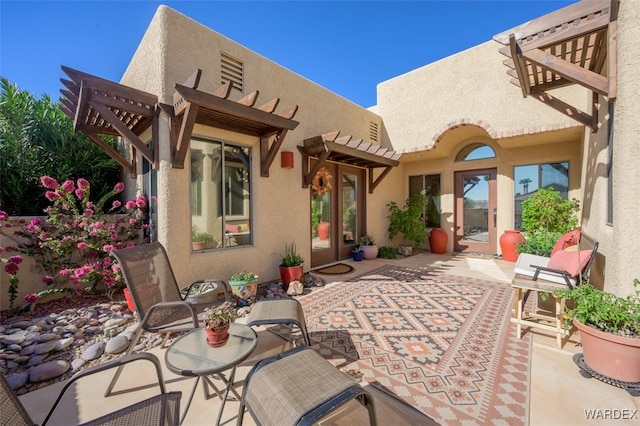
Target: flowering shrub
[74,242]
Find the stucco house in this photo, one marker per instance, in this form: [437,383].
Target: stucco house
[209,129]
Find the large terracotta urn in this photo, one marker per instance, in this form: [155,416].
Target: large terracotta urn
[438,240]
[509,240]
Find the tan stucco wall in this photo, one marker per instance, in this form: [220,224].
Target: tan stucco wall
[175,46]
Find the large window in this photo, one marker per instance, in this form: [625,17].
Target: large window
[528,179]
[220,195]
[431,185]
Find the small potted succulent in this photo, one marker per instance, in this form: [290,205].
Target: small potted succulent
[245,287]
[357,253]
[217,321]
[368,246]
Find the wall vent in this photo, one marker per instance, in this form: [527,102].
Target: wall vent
[232,70]
[373,131]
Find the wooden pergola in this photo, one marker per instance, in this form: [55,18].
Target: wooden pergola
[101,107]
[573,45]
[346,150]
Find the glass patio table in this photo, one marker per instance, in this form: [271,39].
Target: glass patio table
[191,355]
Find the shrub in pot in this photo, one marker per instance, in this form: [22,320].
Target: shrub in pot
[609,327]
[357,253]
[408,221]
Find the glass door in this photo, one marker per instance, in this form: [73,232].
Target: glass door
[337,212]
[475,213]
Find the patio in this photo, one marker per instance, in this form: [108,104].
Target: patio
[559,395]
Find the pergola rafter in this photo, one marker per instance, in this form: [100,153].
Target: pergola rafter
[346,150]
[573,45]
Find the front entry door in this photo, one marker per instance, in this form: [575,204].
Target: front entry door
[337,216]
[475,211]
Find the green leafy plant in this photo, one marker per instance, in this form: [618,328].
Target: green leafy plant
[602,310]
[220,315]
[387,252]
[408,219]
[357,248]
[291,256]
[546,216]
[366,240]
[540,242]
[198,236]
[244,276]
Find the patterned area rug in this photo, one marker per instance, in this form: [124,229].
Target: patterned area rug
[441,343]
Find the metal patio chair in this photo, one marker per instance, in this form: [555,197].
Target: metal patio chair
[279,311]
[162,409]
[161,306]
[298,387]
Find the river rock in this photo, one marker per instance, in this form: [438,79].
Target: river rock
[117,344]
[93,351]
[17,380]
[48,371]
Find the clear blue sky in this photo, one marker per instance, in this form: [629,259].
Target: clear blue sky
[347,47]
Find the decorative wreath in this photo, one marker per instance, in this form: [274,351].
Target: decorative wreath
[322,182]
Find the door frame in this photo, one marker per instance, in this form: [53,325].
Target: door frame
[459,243]
[340,250]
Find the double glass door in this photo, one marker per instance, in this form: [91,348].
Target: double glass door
[337,215]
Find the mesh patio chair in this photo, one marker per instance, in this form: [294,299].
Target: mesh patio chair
[162,409]
[279,311]
[567,267]
[298,387]
[159,303]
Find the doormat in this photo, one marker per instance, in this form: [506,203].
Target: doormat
[337,269]
[443,344]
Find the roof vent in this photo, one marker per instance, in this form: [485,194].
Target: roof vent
[232,70]
[373,131]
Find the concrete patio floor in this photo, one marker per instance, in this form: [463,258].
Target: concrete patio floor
[559,394]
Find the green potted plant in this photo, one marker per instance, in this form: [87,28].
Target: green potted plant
[245,287]
[217,321]
[291,266]
[609,327]
[368,246]
[408,221]
[357,253]
[199,239]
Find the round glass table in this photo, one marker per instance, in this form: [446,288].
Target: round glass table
[191,355]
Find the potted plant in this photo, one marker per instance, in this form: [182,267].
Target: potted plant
[408,221]
[245,287]
[199,239]
[217,321]
[368,246]
[291,266]
[609,327]
[357,253]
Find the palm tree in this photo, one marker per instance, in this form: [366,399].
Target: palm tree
[525,184]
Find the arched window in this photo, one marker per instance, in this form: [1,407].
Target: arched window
[475,151]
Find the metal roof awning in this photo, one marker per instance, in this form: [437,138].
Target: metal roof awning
[98,106]
[573,45]
[346,150]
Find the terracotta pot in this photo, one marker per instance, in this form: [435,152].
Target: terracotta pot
[291,273]
[217,337]
[370,252]
[129,299]
[508,243]
[613,356]
[197,245]
[323,230]
[438,240]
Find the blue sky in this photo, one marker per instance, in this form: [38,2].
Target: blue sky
[346,46]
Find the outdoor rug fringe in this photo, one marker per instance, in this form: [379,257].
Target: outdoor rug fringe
[441,343]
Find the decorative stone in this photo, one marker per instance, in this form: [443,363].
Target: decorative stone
[37,359]
[115,322]
[77,363]
[45,337]
[12,339]
[17,380]
[93,351]
[63,344]
[117,344]
[43,348]
[48,371]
